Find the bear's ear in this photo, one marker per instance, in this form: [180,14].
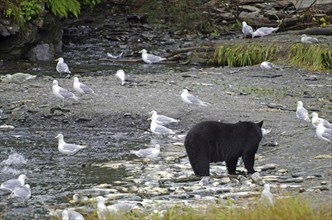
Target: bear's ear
[260,124]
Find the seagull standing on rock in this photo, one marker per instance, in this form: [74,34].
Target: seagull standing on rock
[324,130]
[14,183]
[81,87]
[159,129]
[23,192]
[62,67]
[308,40]
[121,75]
[192,100]
[62,93]
[263,31]
[69,149]
[301,112]
[266,196]
[151,152]
[246,29]
[150,58]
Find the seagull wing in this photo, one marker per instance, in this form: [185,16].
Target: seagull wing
[65,93]
[153,58]
[159,129]
[86,88]
[162,119]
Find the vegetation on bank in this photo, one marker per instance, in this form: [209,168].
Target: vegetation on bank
[25,10]
[313,57]
[284,209]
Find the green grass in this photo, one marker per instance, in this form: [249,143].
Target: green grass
[313,57]
[284,209]
[243,54]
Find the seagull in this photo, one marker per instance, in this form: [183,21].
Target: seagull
[266,65]
[266,195]
[190,99]
[324,130]
[246,29]
[121,75]
[14,183]
[162,119]
[151,152]
[105,212]
[263,31]
[23,192]
[71,215]
[308,40]
[301,112]
[81,87]
[62,93]
[17,78]
[115,56]
[69,149]
[150,58]
[315,120]
[159,129]
[62,67]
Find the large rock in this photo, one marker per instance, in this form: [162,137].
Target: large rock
[39,40]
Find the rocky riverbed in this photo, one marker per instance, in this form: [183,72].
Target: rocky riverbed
[112,123]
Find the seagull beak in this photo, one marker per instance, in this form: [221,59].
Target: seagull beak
[141,51]
[149,119]
[56,59]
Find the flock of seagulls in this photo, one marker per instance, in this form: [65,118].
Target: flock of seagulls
[323,127]
[17,187]
[247,30]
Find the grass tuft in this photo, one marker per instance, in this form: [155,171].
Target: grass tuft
[314,57]
[243,54]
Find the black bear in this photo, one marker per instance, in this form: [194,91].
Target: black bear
[212,141]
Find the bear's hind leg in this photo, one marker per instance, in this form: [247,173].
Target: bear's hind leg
[249,161]
[202,167]
[231,166]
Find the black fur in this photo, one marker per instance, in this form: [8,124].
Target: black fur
[212,141]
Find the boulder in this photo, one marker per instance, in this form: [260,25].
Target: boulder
[39,40]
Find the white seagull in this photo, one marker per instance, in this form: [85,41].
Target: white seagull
[71,215]
[115,56]
[62,67]
[62,93]
[150,58]
[266,196]
[266,65]
[69,149]
[301,112]
[14,183]
[315,120]
[190,99]
[263,31]
[246,29]
[159,129]
[121,75]
[17,78]
[308,40]
[324,130]
[162,119]
[151,152]
[81,87]
[23,192]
